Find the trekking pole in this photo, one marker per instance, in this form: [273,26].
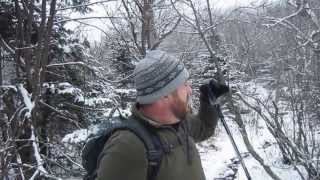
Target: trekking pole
[225,125]
[233,142]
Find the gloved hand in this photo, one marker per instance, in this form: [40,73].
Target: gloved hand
[212,90]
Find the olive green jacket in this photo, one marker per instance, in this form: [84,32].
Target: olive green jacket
[124,155]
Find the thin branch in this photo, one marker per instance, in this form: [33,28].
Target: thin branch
[166,34]
[55,74]
[84,108]
[289,16]
[85,18]
[19,161]
[139,5]
[118,81]
[184,17]
[85,5]
[132,27]
[74,121]
[9,49]
[120,33]
[33,46]
[94,26]
[72,161]
[71,64]
[202,35]
[67,63]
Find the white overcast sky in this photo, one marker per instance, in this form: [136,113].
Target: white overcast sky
[93,34]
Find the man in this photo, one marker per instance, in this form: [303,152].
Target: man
[163,96]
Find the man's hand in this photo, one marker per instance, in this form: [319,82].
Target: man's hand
[212,90]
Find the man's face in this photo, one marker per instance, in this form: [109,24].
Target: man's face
[180,98]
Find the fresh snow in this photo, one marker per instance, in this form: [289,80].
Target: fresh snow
[98,100]
[215,161]
[77,136]
[26,99]
[66,88]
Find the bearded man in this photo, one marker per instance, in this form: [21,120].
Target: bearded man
[162,106]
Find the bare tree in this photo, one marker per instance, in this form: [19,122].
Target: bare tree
[149,22]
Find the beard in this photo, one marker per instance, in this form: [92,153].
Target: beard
[180,108]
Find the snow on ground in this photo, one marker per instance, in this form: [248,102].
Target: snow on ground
[215,160]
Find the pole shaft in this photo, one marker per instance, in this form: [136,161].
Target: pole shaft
[225,125]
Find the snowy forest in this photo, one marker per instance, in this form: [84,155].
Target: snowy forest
[66,67]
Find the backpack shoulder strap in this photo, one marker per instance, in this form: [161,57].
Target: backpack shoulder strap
[150,139]
[152,143]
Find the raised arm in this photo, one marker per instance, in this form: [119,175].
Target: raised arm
[202,125]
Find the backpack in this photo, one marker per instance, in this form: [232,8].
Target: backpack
[96,142]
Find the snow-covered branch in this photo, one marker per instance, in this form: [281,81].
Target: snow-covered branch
[40,169]
[26,99]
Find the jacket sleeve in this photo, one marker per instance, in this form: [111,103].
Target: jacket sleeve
[202,125]
[123,158]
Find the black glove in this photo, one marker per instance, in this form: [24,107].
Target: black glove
[209,92]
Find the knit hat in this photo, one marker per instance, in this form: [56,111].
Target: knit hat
[157,75]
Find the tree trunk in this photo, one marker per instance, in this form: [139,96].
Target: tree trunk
[148,34]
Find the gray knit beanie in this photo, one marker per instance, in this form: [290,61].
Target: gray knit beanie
[157,75]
